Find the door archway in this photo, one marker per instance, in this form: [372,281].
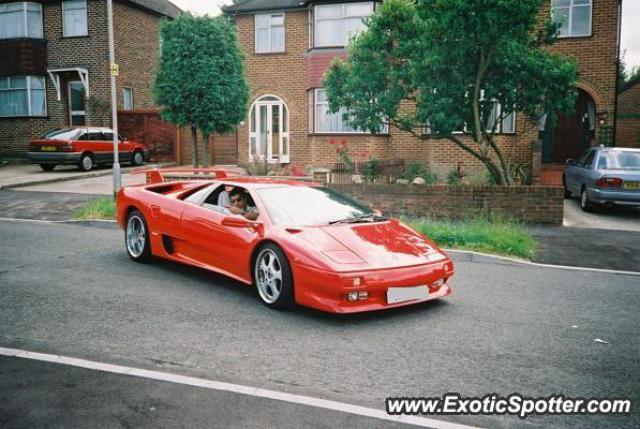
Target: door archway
[269,130]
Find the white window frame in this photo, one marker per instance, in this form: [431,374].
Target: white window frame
[255,134]
[269,27]
[570,8]
[126,89]
[28,89]
[86,17]
[315,103]
[25,21]
[342,17]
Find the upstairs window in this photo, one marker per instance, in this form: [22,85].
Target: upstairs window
[574,17]
[335,24]
[19,20]
[74,18]
[269,32]
[22,96]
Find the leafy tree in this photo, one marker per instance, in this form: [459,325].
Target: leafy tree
[434,67]
[201,80]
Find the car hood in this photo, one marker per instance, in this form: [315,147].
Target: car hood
[379,245]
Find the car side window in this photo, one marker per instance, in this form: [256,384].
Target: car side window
[583,158]
[588,163]
[84,137]
[108,136]
[602,162]
[96,136]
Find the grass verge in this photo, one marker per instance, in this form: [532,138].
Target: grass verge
[495,236]
[103,208]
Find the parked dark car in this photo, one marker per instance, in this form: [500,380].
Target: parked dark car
[84,147]
[604,175]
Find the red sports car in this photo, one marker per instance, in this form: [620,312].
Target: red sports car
[296,242]
[84,147]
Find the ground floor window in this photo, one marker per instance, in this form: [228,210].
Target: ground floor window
[127,95]
[269,130]
[326,122]
[22,96]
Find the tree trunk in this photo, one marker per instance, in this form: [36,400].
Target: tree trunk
[205,148]
[194,146]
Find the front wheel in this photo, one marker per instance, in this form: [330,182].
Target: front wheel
[136,237]
[585,204]
[47,167]
[272,277]
[86,162]
[137,158]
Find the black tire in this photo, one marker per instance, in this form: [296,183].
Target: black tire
[567,192]
[86,162]
[48,167]
[285,298]
[585,204]
[137,158]
[140,252]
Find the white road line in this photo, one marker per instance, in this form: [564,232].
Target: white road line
[537,264]
[468,252]
[234,388]
[12,219]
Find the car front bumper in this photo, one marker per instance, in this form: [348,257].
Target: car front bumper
[327,291]
[631,198]
[54,157]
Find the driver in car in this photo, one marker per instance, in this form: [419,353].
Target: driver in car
[240,204]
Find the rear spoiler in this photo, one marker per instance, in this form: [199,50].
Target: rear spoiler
[162,175]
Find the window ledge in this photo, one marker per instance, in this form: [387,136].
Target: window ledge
[349,134]
[83,36]
[586,36]
[23,117]
[270,53]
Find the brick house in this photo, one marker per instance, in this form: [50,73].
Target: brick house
[628,114]
[55,67]
[290,43]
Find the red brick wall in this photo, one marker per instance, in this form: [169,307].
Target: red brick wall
[535,204]
[628,126]
[147,127]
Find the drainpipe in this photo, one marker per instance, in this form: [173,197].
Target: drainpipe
[615,97]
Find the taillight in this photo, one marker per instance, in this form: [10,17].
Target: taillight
[609,182]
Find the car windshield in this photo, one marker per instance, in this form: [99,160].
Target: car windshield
[625,160]
[61,134]
[308,206]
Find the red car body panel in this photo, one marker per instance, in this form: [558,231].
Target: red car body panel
[324,259]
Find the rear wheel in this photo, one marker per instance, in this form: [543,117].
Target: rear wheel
[136,237]
[137,158]
[272,277]
[86,162]
[585,204]
[47,167]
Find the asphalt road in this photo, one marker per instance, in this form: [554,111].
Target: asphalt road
[71,290]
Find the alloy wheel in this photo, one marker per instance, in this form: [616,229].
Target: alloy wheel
[136,236]
[268,275]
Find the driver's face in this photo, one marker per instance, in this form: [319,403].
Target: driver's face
[239,202]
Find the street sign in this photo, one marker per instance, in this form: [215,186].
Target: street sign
[115,69]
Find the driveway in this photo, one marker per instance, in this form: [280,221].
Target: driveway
[619,218]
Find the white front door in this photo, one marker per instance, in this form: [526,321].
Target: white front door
[269,131]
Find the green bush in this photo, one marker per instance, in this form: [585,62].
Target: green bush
[370,170]
[417,169]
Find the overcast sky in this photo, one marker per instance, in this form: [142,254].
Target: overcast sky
[630,23]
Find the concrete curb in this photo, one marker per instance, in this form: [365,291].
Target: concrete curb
[471,256]
[87,175]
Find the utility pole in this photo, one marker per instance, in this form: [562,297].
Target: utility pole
[113,72]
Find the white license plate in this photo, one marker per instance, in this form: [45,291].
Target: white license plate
[401,294]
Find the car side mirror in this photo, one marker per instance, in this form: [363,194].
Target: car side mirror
[570,161]
[240,222]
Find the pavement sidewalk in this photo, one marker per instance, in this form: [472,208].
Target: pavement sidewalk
[21,175]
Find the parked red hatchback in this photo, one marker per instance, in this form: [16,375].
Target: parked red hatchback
[84,147]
